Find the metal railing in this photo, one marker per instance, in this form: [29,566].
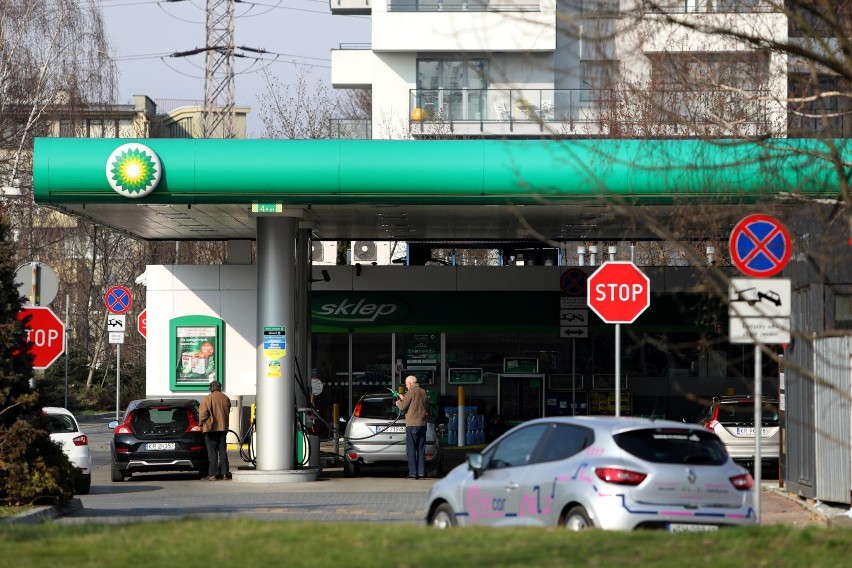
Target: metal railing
[710,6]
[462,6]
[351,128]
[648,112]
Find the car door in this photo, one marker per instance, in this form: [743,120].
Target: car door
[495,498]
[544,487]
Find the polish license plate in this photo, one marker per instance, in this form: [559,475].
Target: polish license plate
[750,432]
[156,446]
[390,429]
[684,527]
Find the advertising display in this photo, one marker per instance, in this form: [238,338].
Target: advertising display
[196,352]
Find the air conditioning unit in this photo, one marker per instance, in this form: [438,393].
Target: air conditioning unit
[324,253]
[370,252]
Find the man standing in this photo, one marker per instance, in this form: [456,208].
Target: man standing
[414,404]
[213,415]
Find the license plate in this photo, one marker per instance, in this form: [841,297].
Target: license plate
[160,446]
[683,527]
[390,429]
[750,432]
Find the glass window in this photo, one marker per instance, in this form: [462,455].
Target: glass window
[564,441]
[673,445]
[516,448]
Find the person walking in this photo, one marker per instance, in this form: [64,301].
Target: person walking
[213,415]
[414,404]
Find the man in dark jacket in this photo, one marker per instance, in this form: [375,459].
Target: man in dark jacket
[213,415]
[416,408]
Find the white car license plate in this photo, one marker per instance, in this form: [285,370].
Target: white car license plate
[750,432]
[683,527]
[160,446]
[390,429]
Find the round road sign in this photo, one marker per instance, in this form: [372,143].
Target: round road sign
[619,292]
[46,333]
[118,299]
[760,246]
[573,282]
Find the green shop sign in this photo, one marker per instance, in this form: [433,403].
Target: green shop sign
[358,310]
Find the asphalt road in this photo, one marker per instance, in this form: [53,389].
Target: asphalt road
[383,497]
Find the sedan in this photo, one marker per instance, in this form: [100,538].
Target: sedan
[158,435]
[64,430]
[375,435]
[598,472]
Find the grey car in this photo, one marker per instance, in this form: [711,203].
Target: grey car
[375,436]
[599,472]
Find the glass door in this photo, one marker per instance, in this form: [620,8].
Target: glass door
[520,397]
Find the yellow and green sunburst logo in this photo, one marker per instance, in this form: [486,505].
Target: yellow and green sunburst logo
[133,170]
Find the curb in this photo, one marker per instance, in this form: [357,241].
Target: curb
[45,513]
[834,515]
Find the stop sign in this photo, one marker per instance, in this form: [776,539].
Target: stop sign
[618,292]
[142,323]
[46,333]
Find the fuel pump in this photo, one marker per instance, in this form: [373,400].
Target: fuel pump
[307,442]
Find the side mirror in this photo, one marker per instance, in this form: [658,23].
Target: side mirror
[474,464]
[113,425]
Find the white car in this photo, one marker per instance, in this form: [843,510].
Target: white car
[65,431]
[598,472]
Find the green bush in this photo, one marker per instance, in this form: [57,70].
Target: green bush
[33,469]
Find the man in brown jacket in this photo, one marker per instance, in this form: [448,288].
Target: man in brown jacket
[416,408]
[213,415]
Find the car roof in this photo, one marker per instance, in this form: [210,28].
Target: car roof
[617,422]
[744,398]
[55,410]
[154,402]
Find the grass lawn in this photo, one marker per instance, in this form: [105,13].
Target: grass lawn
[247,543]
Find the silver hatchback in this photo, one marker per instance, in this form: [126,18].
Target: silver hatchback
[732,419]
[375,435]
[598,472]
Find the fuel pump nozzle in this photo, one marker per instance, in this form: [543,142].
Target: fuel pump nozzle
[393,392]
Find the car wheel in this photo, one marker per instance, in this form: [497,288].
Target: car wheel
[443,517]
[350,469]
[84,485]
[577,519]
[116,474]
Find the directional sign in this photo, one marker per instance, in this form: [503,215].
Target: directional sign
[760,246]
[619,292]
[573,332]
[118,299]
[46,333]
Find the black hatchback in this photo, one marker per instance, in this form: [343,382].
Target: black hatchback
[160,434]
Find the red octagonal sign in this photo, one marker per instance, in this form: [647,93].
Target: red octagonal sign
[618,292]
[46,333]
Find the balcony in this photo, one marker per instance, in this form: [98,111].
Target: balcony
[462,6]
[350,7]
[587,112]
[351,128]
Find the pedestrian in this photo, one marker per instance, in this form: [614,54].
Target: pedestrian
[414,404]
[213,415]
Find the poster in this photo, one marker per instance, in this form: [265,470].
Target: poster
[196,351]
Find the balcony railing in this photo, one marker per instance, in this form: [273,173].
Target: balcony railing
[462,6]
[710,6]
[594,111]
[351,128]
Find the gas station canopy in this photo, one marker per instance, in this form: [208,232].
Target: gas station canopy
[213,189]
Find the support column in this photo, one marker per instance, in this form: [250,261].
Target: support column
[276,417]
[302,282]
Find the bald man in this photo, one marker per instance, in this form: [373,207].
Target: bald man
[414,404]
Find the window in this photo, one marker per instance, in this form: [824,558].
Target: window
[673,445]
[517,448]
[598,79]
[564,441]
[452,88]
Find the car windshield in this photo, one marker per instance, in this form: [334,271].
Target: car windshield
[742,412]
[672,445]
[379,408]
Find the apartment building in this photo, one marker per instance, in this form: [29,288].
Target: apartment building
[568,68]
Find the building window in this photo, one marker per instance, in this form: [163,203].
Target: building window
[598,79]
[452,89]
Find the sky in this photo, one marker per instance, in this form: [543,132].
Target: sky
[298,34]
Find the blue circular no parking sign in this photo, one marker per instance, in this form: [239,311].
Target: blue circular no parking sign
[760,246]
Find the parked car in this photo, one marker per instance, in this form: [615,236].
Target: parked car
[375,435]
[65,431]
[599,472]
[732,419]
[157,435]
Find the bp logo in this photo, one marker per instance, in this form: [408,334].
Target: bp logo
[133,170]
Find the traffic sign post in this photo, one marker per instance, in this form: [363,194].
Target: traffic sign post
[618,292]
[46,333]
[118,300]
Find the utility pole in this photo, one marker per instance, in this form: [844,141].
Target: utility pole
[219,91]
